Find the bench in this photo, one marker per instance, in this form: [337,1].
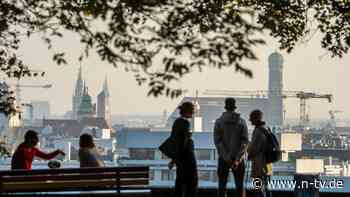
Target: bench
[75,179]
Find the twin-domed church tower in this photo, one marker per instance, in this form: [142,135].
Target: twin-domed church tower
[82,105]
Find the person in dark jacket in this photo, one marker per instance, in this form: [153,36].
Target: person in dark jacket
[186,166]
[23,157]
[256,153]
[231,138]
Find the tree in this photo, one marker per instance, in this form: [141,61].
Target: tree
[184,35]
[3,150]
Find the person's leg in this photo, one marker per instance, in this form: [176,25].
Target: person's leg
[223,170]
[179,182]
[239,180]
[191,175]
[258,193]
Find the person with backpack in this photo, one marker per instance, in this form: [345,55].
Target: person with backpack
[262,151]
[231,138]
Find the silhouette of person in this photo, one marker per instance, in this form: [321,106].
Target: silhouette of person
[186,166]
[25,152]
[231,138]
[256,153]
[88,155]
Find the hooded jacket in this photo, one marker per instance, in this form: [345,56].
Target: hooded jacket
[230,136]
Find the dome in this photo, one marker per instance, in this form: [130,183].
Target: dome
[275,59]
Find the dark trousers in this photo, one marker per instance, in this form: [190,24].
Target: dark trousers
[238,174]
[186,182]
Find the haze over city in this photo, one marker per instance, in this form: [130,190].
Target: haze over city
[307,68]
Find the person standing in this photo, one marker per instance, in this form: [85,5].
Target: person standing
[231,138]
[88,155]
[23,157]
[256,153]
[186,166]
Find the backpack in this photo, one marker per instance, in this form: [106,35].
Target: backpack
[273,151]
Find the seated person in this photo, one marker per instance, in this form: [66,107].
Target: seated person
[88,155]
[25,152]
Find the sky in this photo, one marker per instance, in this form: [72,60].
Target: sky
[307,68]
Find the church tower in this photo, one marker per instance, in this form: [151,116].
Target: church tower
[86,108]
[78,95]
[104,104]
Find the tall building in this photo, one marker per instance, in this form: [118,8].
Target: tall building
[78,95]
[275,61]
[104,104]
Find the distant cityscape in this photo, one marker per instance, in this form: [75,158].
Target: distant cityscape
[320,146]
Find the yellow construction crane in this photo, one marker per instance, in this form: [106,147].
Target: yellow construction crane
[301,95]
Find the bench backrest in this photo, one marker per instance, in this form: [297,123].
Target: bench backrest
[75,179]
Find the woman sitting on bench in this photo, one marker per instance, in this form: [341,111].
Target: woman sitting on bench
[88,155]
[25,152]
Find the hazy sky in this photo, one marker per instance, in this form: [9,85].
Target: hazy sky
[303,70]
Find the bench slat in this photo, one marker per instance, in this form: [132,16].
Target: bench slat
[62,185]
[86,176]
[74,179]
[74,170]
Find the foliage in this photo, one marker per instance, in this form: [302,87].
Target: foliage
[7,100]
[3,150]
[182,35]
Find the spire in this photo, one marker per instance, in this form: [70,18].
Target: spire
[79,88]
[80,74]
[105,87]
[85,89]
[196,105]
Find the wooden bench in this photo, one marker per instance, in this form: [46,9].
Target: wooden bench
[75,179]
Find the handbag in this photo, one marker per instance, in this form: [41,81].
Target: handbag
[168,147]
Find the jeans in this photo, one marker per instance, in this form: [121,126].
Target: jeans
[186,176]
[238,174]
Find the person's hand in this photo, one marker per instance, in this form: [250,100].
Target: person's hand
[229,162]
[235,165]
[171,164]
[61,152]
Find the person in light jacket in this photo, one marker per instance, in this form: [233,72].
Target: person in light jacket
[88,155]
[231,139]
[256,153]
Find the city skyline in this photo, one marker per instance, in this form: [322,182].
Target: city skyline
[303,70]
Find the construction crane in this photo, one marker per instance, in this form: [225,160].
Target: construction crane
[238,93]
[18,87]
[301,95]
